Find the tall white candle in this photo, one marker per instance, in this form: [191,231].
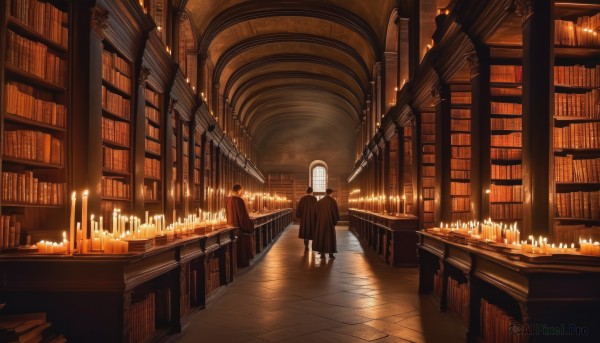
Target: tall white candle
[114,224]
[72,224]
[101,225]
[84,219]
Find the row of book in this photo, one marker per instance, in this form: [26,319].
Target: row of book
[506,73]
[458,113]
[114,75]
[460,174]
[497,107]
[506,153]
[21,102]
[566,169]
[577,136]
[152,131]
[428,182]
[151,191]
[153,147]
[115,131]
[577,75]
[573,233]
[428,193]
[152,114]
[196,176]
[506,172]
[464,216]
[43,18]
[141,318]
[513,139]
[461,204]
[428,205]
[498,326]
[460,164]
[33,146]
[583,205]
[458,299]
[10,232]
[460,125]
[115,159]
[460,98]
[428,171]
[580,33]
[460,139]
[427,128]
[152,168]
[508,212]
[115,188]
[428,158]
[24,188]
[585,105]
[461,152]
[504,193]
[213,279]
[34,58]
[460,188]
[506,91]
[507,124]
[151,98]
[428,219]
[115,104]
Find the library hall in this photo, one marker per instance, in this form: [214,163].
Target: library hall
[323,171]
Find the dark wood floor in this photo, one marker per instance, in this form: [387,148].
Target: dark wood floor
[294,296]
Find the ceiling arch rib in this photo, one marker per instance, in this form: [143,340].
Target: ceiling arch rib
[252,10]
[287,85]
[294,95]
[291,62]
[252,43]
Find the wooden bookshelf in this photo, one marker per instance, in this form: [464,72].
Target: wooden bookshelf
[34,118]
[506,148]
[407,168]
[576,122]
[153,151]
[428,166]
[197,177]
[117,131]
[460,161]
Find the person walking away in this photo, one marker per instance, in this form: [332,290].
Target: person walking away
[237,216]
[327,217]
[307,213]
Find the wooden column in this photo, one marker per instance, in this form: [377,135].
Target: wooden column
[400,162]
[538,110]
[442,150]
[139,127]
[169,195]
[413,37]
[386,175]
[479,61]
[94,147]
[415,124]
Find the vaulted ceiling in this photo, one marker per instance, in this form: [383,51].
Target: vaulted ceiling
[295,66]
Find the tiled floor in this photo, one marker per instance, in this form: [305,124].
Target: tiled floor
[290,295]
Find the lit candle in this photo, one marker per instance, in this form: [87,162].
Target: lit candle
[84,210]
[403,203]
[72,224]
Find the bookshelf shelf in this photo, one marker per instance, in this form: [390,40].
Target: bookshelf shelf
[114,88]
[152,183]
[31,163]
[114,116]
[27,32]
[12,204]
[32,123]
[33,79]
[152,178]
[115,172]
[114,144]
[114,199]
[575,119]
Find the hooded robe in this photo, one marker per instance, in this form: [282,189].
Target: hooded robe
[327,217]
[307,212]
[237,216]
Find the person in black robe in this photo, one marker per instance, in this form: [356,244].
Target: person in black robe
[307,213]
[237,216]
[327,217]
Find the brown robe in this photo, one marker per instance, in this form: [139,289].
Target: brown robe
[237,216]
[327,216]
[307,212]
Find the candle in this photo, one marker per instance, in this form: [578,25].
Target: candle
[72,224]
[101,225]
[403,203]
[84,210]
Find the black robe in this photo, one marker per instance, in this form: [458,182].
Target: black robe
[327,217]
[307,212]
[237,216]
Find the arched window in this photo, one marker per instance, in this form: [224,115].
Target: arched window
[318,177]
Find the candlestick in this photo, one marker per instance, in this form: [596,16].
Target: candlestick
[72,224]
[84,218]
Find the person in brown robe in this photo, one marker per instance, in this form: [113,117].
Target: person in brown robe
[307,213]
[237,216]
[327,217]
